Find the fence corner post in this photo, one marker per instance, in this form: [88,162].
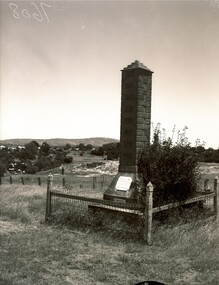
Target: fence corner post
[48,196]
[148,213]
[216,197]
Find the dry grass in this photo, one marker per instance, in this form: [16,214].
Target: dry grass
[32,252]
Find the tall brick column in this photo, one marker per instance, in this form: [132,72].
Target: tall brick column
[135,114]
[135,126]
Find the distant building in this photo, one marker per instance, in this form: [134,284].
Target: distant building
[21,147]
[12,147]
[11,167]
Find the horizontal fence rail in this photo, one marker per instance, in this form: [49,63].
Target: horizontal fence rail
[186,202]
[98,201]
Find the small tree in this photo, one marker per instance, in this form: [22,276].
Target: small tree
[81,147]
[32,147]
[26,154]
[111,150]
[88,147]
[99,151]
[68,159]
[45,147]
[67,146]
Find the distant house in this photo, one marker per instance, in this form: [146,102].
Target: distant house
[2,146]
[12,147]
[11,167]
[21,147]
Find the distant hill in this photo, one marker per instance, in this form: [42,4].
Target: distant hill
[99,141]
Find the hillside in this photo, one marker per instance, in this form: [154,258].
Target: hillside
[98,141]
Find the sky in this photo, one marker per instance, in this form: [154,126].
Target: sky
[61,62]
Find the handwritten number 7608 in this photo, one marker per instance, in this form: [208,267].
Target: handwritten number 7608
[39,15]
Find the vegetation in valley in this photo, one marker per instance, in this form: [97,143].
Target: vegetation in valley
[33,158]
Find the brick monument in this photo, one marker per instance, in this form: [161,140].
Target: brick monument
[134,129]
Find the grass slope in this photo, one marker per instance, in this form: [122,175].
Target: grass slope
[32,252]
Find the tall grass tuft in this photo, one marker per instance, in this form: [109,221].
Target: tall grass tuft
[22,203]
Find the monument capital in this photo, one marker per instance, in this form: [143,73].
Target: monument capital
[137,64]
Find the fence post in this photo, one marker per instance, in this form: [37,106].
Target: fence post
[39,181]
[207,187]
[216,197]
[94,182]
[63,181]
[11,179]
[22,180]
[148,213]
[48,196]
[102,182]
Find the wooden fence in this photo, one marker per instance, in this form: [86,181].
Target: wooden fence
[63,180]
[24,180]
[144,210]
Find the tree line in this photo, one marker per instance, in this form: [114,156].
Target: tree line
[34,157]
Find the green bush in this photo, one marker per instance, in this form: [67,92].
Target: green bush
[68,159]
[31,169]
[172,169]
[111,150]
[99,151]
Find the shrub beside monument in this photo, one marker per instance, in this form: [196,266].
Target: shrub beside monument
[172,169]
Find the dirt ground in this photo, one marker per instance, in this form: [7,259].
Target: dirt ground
[209,168]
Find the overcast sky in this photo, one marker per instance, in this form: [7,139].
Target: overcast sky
[61,62]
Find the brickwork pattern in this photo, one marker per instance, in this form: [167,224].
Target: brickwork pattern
[135,114]
[143,126]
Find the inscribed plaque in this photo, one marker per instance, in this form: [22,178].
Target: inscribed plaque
[123,183]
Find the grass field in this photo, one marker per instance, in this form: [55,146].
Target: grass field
[185,248]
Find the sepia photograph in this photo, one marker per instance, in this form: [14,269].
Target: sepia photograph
[109,142]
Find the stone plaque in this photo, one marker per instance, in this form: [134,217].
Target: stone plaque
[123,183]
